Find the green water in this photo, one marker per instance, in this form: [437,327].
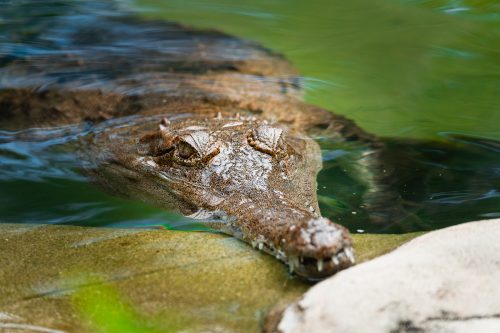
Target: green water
[402,68]
[410,69]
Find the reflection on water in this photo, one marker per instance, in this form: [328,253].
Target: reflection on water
[440,183]
[419,69]
[410,67]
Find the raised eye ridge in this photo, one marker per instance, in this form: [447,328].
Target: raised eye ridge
[267,139]
[195,147]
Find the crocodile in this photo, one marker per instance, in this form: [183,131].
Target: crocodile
[192,120]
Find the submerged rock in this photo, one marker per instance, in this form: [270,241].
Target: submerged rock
[444,281]
[198,281]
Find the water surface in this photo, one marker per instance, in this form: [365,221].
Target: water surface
[428,70]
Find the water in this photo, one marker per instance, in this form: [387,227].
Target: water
[399,68]
[427,70]
[41,182]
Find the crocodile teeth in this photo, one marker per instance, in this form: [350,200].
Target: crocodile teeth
[350,255]
[293,262]
[320,265]
[335,260]
[261,246]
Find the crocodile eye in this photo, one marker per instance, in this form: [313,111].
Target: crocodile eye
[185,150]
[195,147]
[267,139]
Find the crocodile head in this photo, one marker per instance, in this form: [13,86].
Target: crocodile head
[250,178]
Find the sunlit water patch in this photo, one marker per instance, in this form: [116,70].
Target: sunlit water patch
[411,68]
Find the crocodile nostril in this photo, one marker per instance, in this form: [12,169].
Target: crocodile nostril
[317,238]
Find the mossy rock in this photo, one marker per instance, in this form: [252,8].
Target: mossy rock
[97,279]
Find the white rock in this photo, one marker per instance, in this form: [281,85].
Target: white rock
[445,281]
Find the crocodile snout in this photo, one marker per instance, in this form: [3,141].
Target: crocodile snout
[318,248]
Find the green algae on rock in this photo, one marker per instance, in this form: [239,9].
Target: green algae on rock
[369,246]
[202,280]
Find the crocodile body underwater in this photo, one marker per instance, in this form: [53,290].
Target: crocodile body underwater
[193,120]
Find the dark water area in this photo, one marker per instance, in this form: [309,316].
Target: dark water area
[439,183]
[442,125]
